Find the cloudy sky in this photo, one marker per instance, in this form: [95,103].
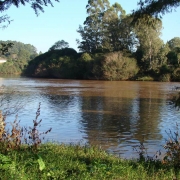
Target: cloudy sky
[62,21]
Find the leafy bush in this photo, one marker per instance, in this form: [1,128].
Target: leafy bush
[165,77]
[86,57]
[172,147]
[176,74]
[14,137]
[116,66]
[17,57]
[55,64]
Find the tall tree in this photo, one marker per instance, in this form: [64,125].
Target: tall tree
[59,45]
[174,54]
[92,32]
[107,28]
[174,43]
[149,43]
[119,32]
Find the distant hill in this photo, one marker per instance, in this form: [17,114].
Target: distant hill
[17,57]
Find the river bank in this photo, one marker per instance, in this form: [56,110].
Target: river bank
[59,161]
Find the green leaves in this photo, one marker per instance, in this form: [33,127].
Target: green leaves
[4,47]
[106,28]
[41,163]
[59,45]
[7,164]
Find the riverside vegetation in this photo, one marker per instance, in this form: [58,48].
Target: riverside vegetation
[24,155]
[112,47]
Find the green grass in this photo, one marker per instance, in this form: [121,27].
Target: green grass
[74,162]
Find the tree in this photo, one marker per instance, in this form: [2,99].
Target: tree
[17,57]
[59,45]
[174,43]
[150,43]
[174,54]
[106,29]
[4,47]
[92,32]
[155,7]
[118,32]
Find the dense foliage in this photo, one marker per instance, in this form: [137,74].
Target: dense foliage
[106,28]
[59,45]
[112,47]
[155,7]
[17,57]
[67,63]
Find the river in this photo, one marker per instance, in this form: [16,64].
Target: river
[114,115]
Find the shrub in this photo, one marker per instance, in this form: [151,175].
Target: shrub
[116,66]
[165,77]
[176,74]
[85,57]
[172,147]
[14,137]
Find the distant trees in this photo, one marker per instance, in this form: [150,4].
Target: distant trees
[150,43]
[106,28]
[59,45]
[17,57]
[69,64]
[93,31]
[111,47]
[174,43]
[174,53]
[4,47]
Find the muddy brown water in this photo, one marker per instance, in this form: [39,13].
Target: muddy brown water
[114,115]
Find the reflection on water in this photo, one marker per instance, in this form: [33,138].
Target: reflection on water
[113,115]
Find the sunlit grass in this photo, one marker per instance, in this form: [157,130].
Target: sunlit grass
[59,161]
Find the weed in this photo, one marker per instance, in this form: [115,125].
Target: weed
[16,136]
[172,147]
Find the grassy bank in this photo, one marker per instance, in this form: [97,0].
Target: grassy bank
[53,161]
[23,156]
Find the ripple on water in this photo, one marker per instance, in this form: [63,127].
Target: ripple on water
[113,115]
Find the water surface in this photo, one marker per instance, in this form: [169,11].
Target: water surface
[115,115]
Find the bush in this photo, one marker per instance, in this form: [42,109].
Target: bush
[176,74]
[165,78]
[116,66]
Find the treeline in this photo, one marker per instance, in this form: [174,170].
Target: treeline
[67,63]
[17,57]
[112,47]
[117,65]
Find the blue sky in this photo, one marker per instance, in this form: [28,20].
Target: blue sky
[62,21]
